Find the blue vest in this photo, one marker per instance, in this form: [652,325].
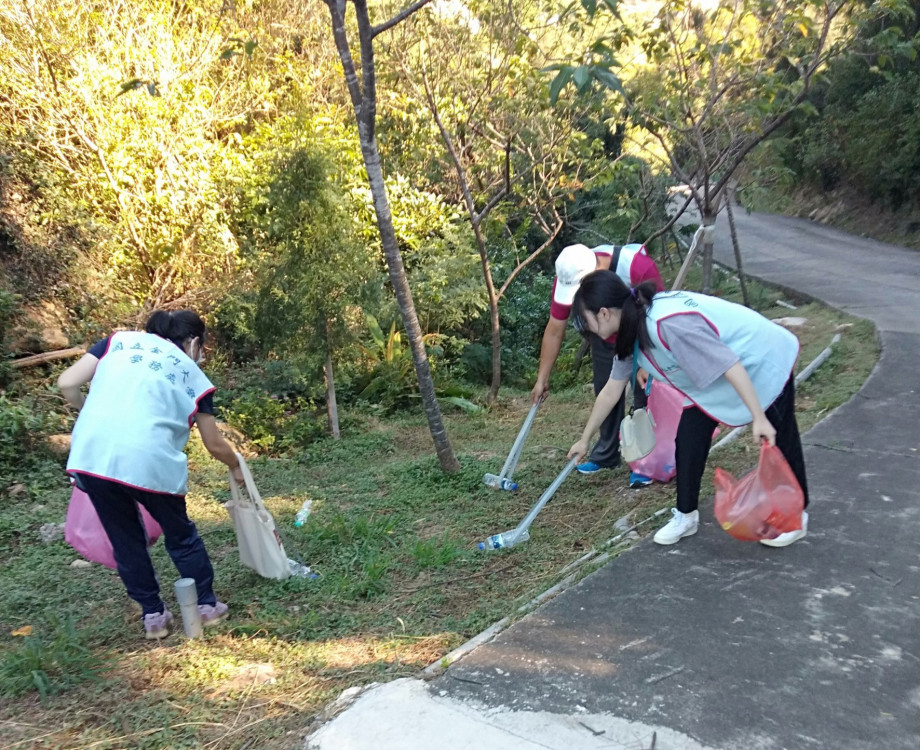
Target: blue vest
[767,351]
[137,417]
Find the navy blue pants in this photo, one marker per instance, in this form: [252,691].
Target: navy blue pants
[694,435]
[116,506]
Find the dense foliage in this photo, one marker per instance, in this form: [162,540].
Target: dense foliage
[861,126]
[187,156]
[160,154]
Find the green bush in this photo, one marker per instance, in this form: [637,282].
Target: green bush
[623,205]
[21,421]
[273,423]
[8,308]
[882,143]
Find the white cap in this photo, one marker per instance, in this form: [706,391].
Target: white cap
[573,264]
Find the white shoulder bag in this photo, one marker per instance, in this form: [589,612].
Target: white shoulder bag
[260,546]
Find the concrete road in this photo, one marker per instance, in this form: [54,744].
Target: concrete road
[715,643]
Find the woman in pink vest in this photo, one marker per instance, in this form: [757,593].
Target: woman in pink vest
[732,365]
[127,448]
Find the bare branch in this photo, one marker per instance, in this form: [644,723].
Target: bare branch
[671,222]
[557,227]
[493,202]
[398,18]
[451,150]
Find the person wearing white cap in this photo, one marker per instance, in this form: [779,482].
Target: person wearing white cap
[633,265]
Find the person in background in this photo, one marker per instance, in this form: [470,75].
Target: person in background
[127,448]
[633,265]
[734,365]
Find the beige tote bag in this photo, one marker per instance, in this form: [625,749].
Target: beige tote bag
[260,546]
[637,435]
[637,430]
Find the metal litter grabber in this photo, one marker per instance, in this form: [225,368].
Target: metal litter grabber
[503,480]
[520,534]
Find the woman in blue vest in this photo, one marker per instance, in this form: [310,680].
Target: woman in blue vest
[128,447]
[732,364]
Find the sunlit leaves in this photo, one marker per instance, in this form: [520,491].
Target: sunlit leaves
[592,7]
[584,78]
[239,47]
[135,84]
[594,73]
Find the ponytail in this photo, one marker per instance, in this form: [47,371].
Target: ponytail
[605,289]
[632,318]
[178,326]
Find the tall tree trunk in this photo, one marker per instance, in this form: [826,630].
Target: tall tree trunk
[332,407]
[709,222]
[737,249]
[493,314]
[363,95]
[400,284]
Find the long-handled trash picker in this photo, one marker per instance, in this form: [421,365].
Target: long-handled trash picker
[503,480]
[520,534]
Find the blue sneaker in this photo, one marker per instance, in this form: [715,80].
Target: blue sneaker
[638,481]
[589,467]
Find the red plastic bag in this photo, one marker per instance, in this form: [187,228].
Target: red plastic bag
[83,530]
[763,504]
[665,404]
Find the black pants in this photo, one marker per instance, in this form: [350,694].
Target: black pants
[606,451]
[116,506]
[694,435]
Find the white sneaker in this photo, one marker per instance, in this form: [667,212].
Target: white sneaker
[680,525]
[784,540]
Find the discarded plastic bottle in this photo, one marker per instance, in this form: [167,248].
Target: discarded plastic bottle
[499,483]
[301,518]
[502,541]
[299,570]
[493,542]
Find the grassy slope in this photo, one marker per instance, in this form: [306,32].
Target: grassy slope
[393,540]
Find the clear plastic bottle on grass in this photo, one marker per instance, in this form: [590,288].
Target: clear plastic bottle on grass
[301,518]
[499,483]
[299,570]
[505,540]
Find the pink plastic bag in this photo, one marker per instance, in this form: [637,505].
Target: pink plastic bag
[665,404]
[763,504]
[83,530]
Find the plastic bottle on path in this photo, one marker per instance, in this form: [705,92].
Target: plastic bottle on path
[301,518]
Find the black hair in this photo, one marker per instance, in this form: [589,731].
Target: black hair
[605,289]
[177,326]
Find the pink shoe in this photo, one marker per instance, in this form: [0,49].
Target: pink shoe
[212,614]
[156,625]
